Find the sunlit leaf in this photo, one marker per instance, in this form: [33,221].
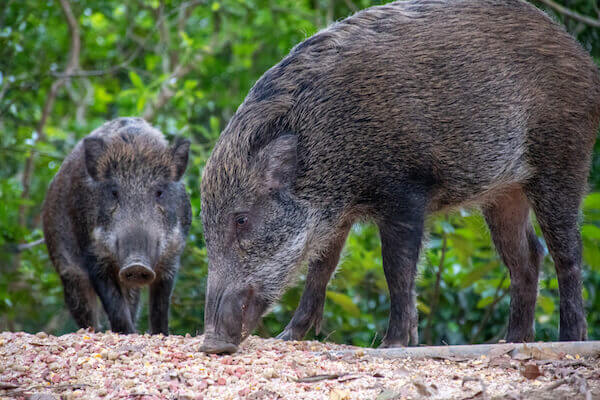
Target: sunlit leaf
[345,302]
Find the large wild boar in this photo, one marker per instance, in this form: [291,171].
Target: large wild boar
[116,217]
[392,114]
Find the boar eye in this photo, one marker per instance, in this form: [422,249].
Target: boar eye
[241,220]
[159,194]
[115,194]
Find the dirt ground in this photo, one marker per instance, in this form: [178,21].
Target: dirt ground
[88,365]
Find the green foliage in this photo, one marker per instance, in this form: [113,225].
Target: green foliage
[186,66]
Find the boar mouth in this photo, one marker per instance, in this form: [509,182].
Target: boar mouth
[236,316]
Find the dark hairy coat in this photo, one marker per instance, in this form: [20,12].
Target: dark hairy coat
[117,202]
[392,114]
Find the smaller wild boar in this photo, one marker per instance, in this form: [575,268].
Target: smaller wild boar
[115,219]
[393,114]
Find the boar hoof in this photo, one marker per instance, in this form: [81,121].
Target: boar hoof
[288,334]
[213,346]
[388,345]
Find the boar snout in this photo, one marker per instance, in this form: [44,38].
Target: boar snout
[231,318]
[137,251]
[137,273]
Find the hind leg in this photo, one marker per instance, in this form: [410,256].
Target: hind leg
[80,297]
[557,212]
[520,250]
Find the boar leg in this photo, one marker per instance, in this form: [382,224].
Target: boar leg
[113,300]
[516,242]
[401,233]
[310,309]
[556,205]
[160,297]
[80,296]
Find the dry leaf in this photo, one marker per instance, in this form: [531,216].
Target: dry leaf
[338,394]
[422,388]
[387,394]
[41,396]
[531,371]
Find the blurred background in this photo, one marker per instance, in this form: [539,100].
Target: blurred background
[66,66]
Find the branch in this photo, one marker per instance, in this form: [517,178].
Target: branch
[72,65]
[19,248]
[134,53]
[166,92]
[571,14]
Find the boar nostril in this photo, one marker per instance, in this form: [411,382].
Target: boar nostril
[136,274]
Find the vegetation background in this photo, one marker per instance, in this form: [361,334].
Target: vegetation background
[66,66]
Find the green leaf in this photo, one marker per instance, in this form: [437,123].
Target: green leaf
[484,302]
[424,308]
[136,80]
[591,255]
[546,303]
[592,201]
[345,302]
[477,273]
[590,232]
[141,103]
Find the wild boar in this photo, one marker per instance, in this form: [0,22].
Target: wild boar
[392,114]
[116,218]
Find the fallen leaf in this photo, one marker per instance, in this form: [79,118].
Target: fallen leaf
[422,388]
[500,351]
[500,362]
[338,394]
[387,394]
[41,396]
[531,371]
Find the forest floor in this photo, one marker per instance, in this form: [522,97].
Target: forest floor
[110,366]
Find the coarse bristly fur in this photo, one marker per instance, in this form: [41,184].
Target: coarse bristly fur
[116,217]
[392,114]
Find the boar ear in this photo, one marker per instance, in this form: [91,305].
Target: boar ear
[94,148]
[279,159]
[180,151]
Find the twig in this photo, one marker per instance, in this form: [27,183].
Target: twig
[30,150]
[490,309]
[351,5]
[374,338]
[329,334]
[436,292]
[317,378]
[330,12]
[571,14]
[60,387]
